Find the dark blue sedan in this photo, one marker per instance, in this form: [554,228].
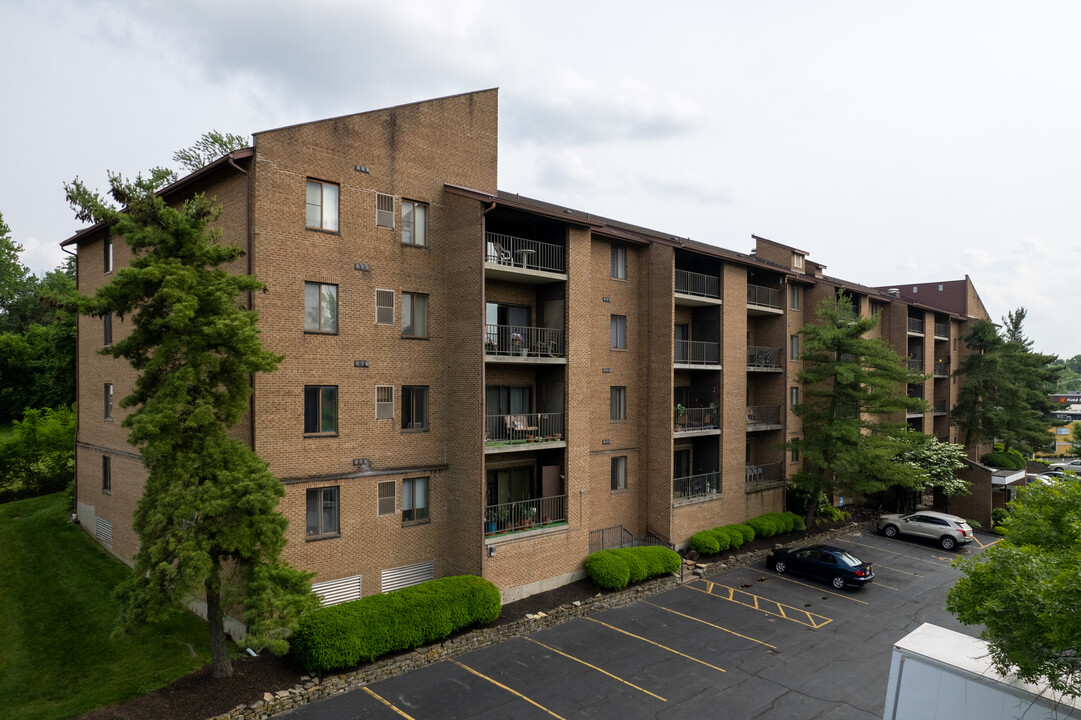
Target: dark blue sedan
[826,562]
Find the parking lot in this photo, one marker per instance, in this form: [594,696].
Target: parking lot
[745,643]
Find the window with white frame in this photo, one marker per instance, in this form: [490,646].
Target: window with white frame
[793,347]
[106,474]
[384,307]
[414,407]
[320,307]
[415,499]
[384,402]
[793,397]
[618,402]
[619,473]
[107,329]
[108,401]
[386,497]
[321,206]
[797,261]
[414,223]
[619,262]
[107,254]
[414,315]
[322,511]
[619,332]
[320,409]
[384,210]
[793,296]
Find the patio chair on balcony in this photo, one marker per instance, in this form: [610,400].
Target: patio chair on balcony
[517,423]
[503,257]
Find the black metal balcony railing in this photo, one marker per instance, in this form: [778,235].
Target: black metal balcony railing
[523,427]
[522,253]
[763,357]
[696,486]
[941,330]
[940,406]
[764,296]
[692,283]
[942,370]
[522,340]
[525,515]
[763,475]
[915,325]
[699,418]
[763,415]
[696,352]
[915,364]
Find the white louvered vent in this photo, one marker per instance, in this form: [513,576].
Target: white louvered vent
[384,210]
[337,591]
[104,531]
[407,575]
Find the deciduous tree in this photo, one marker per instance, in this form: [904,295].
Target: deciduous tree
[211,146]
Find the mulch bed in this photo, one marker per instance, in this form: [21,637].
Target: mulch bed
[198,696]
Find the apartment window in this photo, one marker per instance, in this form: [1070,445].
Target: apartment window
[793,347]
[107,329]
[384,307]
[322,511]
[793,397]
[321,206]
[384,210]
[320,307]
[793,296]
[414,499]
[386,497]
[619,473]
[619,262]
[794,455]
[797,261]
[384,402]
[414,223]
[320,409]
[106,474]
[618,403]
[108,401]
[414,315]
[619,332]
[415,407]
[107,255]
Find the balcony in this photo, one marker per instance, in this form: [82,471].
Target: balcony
[763,417]
[915,364]
[704,486]
[697,421]
[940,407]
[915,326]
[942,331]
[763,359]
[696,354]
[763,477]
[697,289]
[763,300]
[523,260]
[525,516]
[523,431]
[514,343]
[942,370]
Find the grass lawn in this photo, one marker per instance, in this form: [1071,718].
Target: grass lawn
[57,656]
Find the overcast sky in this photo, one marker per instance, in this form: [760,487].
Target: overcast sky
[894,142]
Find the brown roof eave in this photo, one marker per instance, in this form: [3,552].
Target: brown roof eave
[181,184]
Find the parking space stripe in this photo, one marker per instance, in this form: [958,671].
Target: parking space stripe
[817,588]
[656,644]
[894,552]
[571,657]
[982,545]
[387,703]
[512,692]
[704,622]
[899,570]
[765,605]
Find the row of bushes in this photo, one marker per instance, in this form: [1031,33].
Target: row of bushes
[341,636]
[615,569]
[711,542]
[1010,460]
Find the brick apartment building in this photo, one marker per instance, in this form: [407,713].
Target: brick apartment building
[478,382]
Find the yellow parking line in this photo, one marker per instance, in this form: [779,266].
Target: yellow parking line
[662,647]
[894,552]
[512,692]
[765,605]
[819,588]
[982,546]
[571,657]
[899,570]
[690,617]
[884,585]
[377,697]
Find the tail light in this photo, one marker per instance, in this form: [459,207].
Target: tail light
[859,573]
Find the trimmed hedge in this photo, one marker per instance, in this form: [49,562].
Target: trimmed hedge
[735,537]
[615,569]
[1007,460]
[345,635]
[746,530]
[704,543]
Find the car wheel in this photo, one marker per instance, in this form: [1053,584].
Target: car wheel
[839,582]
[890,531]
[780,566]
[947,542]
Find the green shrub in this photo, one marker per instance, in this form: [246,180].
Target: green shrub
[975,524]
[999,516]
[735,537]
[660,560]
[723,541]
[704,543]
[345,635]
[998,530]
[608,570]
[746,530]
[1006,460]
[763,526]
[831,513]
[797,522]
[636,565]
[785,522]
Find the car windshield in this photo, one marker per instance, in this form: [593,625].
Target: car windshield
[848,558]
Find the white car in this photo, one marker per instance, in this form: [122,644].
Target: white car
[1074,465]
[948,531]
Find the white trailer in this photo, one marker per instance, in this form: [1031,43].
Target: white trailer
[940,674]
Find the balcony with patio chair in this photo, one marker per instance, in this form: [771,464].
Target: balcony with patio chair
[521,343]
[696,488]
[525,516]
[519,259]
[515,432]
[764,477]
[764,417]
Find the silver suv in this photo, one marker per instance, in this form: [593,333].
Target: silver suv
[949,531]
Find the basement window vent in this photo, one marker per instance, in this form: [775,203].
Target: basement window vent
[337,591]
[406,575]
[384,210]
[103,530]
